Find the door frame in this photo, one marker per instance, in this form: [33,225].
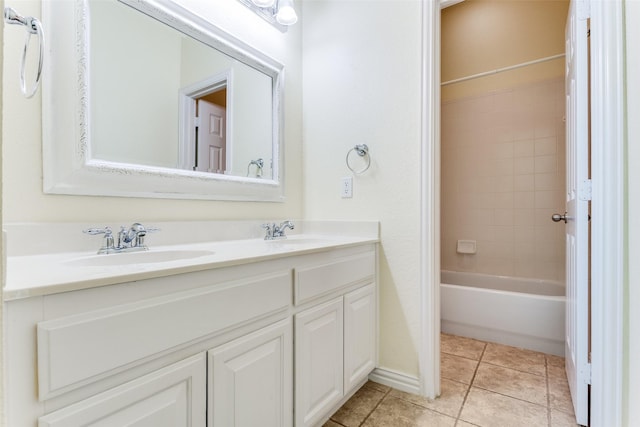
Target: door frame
[607,211]
[607,262]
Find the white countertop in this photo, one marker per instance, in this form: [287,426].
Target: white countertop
[35,274]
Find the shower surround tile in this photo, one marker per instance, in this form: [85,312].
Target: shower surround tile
[510,156]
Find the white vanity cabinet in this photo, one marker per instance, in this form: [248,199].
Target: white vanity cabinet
[360,343]
[217,347]
[250,378]
[174,396]
[319,361]
[335,340]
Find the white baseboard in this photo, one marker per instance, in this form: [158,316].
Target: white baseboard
[397,380]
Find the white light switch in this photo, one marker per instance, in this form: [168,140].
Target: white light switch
[346,188]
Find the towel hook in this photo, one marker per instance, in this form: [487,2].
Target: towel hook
[33,26]
[361,150]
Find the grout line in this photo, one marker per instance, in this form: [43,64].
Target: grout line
[464,401]
[511,397]
[375,407]
[546,371]
[519,370]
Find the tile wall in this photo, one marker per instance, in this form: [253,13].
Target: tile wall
[503,176]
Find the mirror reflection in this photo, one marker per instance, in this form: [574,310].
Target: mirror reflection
[161,98]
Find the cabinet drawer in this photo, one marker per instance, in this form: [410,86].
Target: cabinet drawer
[76,350]
[318,280]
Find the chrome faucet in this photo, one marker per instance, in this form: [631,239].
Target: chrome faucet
[274,231]
[129,240]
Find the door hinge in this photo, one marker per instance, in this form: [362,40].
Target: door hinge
[584,192]
[196,121]
[586,373]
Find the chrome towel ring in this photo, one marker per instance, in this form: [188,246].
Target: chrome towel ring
[33,26]
[363,151]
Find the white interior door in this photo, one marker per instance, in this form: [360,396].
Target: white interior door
[577,216]
[211,137]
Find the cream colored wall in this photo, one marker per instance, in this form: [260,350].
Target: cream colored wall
[484,35]
[22,152]
[366,55]
[502,138]
[631,373]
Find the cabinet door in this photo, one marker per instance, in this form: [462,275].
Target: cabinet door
[319,361]
[250,380]
[170,397]
[359,335]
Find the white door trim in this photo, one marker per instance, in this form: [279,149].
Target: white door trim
[607,208]
[429,350]
[607,211]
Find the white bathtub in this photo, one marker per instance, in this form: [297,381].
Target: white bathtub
[524,313]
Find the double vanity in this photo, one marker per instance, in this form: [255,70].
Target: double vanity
[213,325]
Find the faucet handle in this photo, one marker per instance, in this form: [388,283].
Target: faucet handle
[108,245]
[93,231]
[269,228]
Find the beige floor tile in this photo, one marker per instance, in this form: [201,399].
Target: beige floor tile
[554,360]
[521,385]
[461,346]
[515,358]
[377,386]
[562,419]
[331,424]
[559,394]
[556,371]
[402,413]
[461,423]
[555,366]
[356,409]
[449,402]
[488,409]
[457,368]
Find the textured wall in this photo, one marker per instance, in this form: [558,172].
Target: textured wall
[484,35]
[361,64]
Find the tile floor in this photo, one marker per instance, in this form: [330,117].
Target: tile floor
[483,385]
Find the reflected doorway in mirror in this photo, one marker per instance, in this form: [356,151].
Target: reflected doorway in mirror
[206,123]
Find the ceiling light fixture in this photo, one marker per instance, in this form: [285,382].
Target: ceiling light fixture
[280,13]
[264,3]
[286,14]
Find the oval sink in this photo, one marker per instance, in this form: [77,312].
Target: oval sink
[131,258]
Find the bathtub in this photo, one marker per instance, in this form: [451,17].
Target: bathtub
[526,313]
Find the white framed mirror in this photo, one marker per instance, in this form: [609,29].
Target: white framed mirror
[142,98]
